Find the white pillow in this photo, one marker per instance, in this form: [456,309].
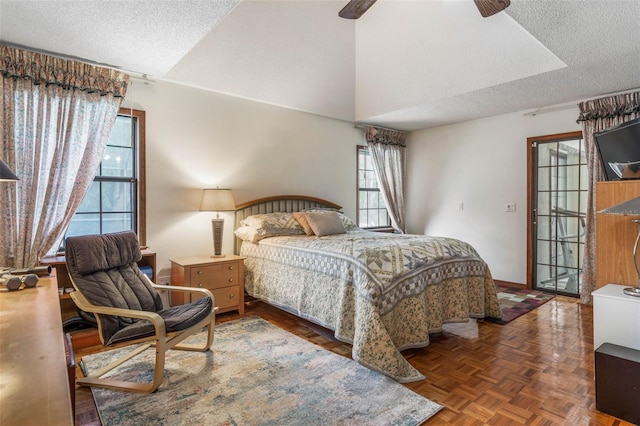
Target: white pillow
[325,223]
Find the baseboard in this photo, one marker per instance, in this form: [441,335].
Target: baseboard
[509,284]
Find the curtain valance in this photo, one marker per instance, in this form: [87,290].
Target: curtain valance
[613,106]
[385,136]
[49,70]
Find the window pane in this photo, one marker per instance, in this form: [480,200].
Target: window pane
[382,217]
[362,182]
[121,132]
[117,161]
[117,197]
[116,222]
[362,222]
[372,199]
[371,181]
[362,199]
[91,202]
[84,224]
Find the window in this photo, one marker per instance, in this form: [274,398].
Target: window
[372,212]
[115,201]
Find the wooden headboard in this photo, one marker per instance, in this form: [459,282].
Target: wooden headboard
[278,203]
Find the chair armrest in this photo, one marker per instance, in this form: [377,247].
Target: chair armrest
[82,303]
[183,289]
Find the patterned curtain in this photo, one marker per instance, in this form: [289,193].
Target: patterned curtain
[387,149]
[56,119]
[597,115]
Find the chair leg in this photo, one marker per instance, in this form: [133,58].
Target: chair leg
[95,379]
[161,346]
[210,333]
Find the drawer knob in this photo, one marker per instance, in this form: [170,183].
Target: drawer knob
[230,280]
[200,272]
[199,284]
[231,267]
[231,296]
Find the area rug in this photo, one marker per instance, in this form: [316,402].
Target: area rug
[516,302]
[257,374]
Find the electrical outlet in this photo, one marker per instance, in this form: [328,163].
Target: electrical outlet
[511,207]
[164,280]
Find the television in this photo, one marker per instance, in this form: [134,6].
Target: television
[619,150]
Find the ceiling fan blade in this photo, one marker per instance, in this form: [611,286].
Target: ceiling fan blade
[355,8]
[491,7]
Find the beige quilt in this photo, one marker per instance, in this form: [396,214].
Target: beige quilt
[382,293]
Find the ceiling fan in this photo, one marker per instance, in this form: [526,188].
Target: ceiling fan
[355,8]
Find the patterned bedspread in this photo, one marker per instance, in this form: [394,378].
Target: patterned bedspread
[382,293]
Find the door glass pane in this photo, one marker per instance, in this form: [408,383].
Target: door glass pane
[560,198]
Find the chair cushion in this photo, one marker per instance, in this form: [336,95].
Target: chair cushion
[176,318]
[107,276]
[102,252]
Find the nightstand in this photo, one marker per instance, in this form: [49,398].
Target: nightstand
[223,276]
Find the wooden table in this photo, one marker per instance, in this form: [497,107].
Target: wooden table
[34,386]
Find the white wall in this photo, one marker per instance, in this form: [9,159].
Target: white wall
[197,139]
[481,164]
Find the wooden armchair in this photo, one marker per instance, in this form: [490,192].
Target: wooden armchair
[127,306]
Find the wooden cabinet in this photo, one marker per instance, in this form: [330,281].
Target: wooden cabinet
[67,307]
[223,276]
[615,234]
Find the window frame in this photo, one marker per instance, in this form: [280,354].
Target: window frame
[139,178]
[382,228]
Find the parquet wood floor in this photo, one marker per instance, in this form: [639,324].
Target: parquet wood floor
[536,370]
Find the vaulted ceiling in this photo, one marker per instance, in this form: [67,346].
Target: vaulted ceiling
[406,64]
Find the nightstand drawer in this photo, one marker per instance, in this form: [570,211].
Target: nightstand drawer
[226,297]
[206,273]
[214,281]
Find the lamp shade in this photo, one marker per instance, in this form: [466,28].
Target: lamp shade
[627,208]
[217,200]
[6,173]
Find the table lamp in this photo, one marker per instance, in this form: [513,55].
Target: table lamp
[629,208]
[217,200]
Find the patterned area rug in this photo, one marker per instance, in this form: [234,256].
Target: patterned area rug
[516,302]
[257,374]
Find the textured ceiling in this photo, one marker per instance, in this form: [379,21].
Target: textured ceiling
[406,64]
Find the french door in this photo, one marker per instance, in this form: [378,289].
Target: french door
[558,204]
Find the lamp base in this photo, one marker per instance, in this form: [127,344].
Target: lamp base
[632,291]
[217,225]
[218,255]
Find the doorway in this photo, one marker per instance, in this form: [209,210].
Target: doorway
[558,203]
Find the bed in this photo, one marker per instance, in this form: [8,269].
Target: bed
[380,292]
